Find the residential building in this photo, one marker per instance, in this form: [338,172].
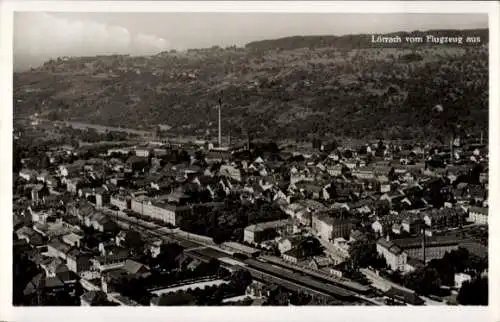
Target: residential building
[328,227]
[265,231]
[287,243]
[56,248]
[435,246]
[395,257]
[78,262]
[72,239]
[120,201]
[294,255]
[478,215]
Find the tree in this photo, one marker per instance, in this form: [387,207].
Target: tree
[167,257]
[240,279]
[23,271]
[424,281]
[300,298]
[279,296]
[362,253]
[179,298]
[133,241]
[474,292]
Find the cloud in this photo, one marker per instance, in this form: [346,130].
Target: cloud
[41,36]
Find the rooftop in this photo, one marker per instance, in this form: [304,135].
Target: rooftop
[268,225]
[405,296]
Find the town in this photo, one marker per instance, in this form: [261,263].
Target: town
[155,221]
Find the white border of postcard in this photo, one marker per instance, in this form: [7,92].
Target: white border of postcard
[290,314]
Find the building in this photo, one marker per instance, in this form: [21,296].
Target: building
[320,263]
[478,215]
[294,255]
[168,213]
[78,262]
[460,278]
[120,201]
[286,244]
[110,262]
[72,239]
[258,233]
[100,222]
[435,246]
[322,225]
[329,228]
[56,248]
[102,198]
[404,297]
[230,172]
[335,170]
[439,219]
[142,152]
[366,173]
[413,264]
[395,257]
[28,174]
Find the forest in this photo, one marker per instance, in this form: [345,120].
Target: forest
[291,88]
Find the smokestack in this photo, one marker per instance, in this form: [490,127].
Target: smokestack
[220,131]
[451,150]
[423,244]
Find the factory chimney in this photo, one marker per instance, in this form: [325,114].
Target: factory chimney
[423,245]
[220,131]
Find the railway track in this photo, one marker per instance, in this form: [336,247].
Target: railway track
[259,270]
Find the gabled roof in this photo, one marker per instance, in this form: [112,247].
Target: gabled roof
[53,282]
[133,267]
[390,246]
[59,245]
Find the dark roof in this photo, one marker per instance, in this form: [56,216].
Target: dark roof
[405,296]
[134,267]
[59,245]
[392,247]
[136,159]
[67,276]
[53,282]
[433,241]
[414,262]
[112,258]
[35,284]
[358,235]
[40,282]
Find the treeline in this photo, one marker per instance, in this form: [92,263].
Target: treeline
[290,93]
[359,41]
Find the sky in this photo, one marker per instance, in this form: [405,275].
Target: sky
[39,36]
